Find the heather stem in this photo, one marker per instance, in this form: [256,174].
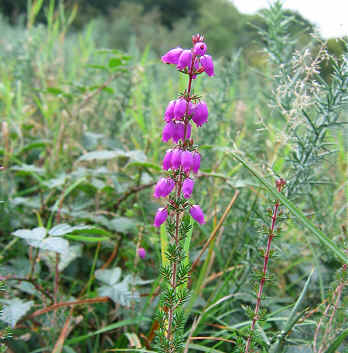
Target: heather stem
[178,213]
[280,185]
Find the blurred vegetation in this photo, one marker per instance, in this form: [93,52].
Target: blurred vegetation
[81,145]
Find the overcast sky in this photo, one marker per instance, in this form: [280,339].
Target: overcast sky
[331,16]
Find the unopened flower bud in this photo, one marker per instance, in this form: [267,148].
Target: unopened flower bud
[197,214]
[200,48]
[160,217]
[196,164]
[141,253]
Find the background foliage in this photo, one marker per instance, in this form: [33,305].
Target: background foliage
[81,150]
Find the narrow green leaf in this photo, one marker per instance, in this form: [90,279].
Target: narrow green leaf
[296,212]
[200,348]
[85,238]
[337,342]
[292,319]
[114,326]
[164,245]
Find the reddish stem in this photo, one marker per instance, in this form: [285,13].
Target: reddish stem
[280,185]
[177,220]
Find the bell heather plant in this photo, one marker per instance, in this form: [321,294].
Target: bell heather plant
[179,161]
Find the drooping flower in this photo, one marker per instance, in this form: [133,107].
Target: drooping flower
[141,253]
[187,187]
[159,187]
[168,187]
[178,132]
[169,113]
[176,159]
[168,131]
[186,160]
[180,108]
[208,65]
[197,214]
[160,217]
[164,187]
[200,113]
[167,160]
[172,56]
[184,60]
[200,48]
[196,162]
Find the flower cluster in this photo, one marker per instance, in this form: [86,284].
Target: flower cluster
[183,158]
[181,162]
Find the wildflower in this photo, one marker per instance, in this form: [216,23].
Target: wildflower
[160,217]
[172,57]
[200,113]
[164,187]
[176,159]
[185,59]
[200,48]
[168,188]
[169,113]
[167,160]
[186,160]
[187,187]
[180,108]
[178,132]
[159,188]
[196,164]
[197,214]
[208,65]
[141,253]
[168,131]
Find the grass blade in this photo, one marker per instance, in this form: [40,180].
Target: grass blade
[296,212]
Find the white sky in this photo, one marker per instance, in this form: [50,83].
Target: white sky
[330,16]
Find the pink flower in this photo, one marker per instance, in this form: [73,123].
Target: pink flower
[160,217]
[159,187]
[172,57]
[167,160]
[197,214]
[169,113]
[186,160]
[185,59]
[208,65]
[180,108]
[168,131]
[176,159]
[196,162]
[200,48]
[179,132]
[200,113]
[164,187]
[141,253]
[187,188]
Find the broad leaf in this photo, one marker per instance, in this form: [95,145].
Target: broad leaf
[13,310]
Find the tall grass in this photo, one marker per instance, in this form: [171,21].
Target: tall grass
[80,145]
